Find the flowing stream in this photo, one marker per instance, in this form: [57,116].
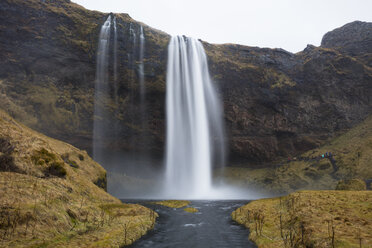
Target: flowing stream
[194,136]
[211,227]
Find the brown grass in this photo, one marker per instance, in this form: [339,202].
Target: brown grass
[39,210]
[310,219]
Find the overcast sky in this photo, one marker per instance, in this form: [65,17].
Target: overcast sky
[288,24]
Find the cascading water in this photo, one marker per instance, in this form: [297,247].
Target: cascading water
[194,139]
[141,67]
[101,86]
[142,92]
[115,62]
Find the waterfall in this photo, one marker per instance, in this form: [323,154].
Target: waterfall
[194,131]
[141,67]
[101,86]
[115,63]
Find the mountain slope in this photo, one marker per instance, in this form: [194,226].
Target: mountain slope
[52,195]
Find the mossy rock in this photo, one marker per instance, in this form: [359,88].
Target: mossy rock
[352,184]
[173,203]
[191,210]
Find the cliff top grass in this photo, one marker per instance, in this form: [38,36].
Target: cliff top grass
[173,203]
[47,200]
[311,218]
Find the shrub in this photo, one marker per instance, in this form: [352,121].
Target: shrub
[44,155]
[56,169]
[5,146]
[7,164]
[101,182]
[352,184]
[81,157]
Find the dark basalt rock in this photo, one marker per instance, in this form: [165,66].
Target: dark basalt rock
[354,38]
[277,104]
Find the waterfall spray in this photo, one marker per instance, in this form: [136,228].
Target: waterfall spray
[194,121]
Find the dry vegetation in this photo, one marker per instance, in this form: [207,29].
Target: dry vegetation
[310,219]
[52,195]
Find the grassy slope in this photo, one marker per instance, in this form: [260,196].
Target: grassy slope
[313,214]
[352,153]
[41,210]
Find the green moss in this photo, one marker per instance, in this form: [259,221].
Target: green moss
[173,203]
[190,210]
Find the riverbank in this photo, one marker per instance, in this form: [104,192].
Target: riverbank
[310,218]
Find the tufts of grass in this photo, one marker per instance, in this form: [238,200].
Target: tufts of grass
[309,219]
[43,156]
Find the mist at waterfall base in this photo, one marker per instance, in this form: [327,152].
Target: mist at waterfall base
[194,124]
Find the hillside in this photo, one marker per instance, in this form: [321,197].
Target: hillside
[53,195]
[310,219]
[277,104]
[351,158]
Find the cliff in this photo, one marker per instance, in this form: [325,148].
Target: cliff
[277,104]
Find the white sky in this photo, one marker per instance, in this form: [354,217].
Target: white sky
[288,24]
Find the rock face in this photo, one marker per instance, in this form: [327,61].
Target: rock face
[277,104]
[354,38]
